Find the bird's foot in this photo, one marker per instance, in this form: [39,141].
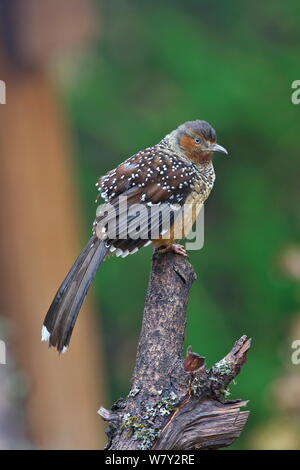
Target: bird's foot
[175,248]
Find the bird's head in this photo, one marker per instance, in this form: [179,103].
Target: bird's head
[197,140]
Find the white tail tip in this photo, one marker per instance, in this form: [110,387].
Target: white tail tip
[45,334]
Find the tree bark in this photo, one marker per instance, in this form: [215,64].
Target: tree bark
[175,403]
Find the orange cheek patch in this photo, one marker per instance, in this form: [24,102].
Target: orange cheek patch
[192,151]
[187,143]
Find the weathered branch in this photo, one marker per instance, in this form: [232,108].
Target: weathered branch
[175,403]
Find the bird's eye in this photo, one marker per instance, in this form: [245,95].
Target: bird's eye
[197,140]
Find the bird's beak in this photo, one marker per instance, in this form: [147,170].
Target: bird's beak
[217,148]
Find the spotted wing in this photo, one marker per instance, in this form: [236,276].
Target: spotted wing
[143,195]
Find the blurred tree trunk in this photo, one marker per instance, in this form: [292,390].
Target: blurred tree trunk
[40,236]
[39,240]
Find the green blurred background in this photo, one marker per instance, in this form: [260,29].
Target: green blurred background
[153,66]
[231,63]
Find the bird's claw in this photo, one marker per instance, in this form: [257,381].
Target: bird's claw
[173,248]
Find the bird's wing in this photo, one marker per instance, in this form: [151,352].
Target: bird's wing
[143,197]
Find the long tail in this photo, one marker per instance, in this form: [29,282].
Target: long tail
[63,312]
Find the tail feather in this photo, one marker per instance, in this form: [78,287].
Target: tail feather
[63,312]
[50,317]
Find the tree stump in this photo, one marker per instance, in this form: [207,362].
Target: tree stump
[175,403]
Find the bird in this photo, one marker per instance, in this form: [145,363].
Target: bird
[149,193]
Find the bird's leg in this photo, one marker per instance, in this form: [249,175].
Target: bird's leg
[174,247]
